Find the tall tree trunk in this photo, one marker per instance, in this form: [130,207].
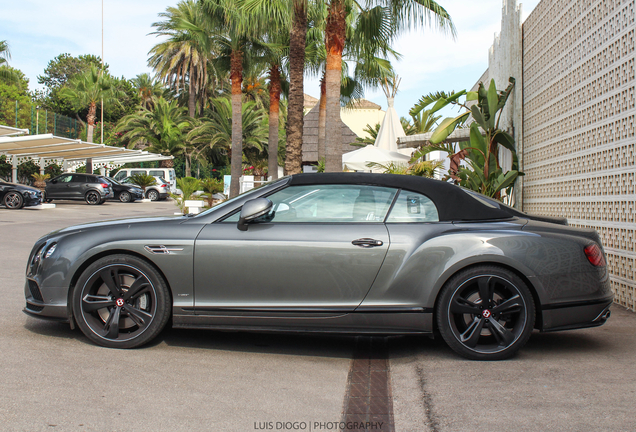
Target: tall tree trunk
[188,165]
[295,120]
[90,119]
[322,118]
[335,35]
[191,93]
[236,76]
[274,100]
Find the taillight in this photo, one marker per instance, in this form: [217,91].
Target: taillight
[164,186]
[104,185]
[594,255]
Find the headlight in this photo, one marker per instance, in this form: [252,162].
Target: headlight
[30,193]
[50,250]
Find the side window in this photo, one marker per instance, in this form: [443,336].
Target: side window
[120,175]
[78,178]
[413,207]
[157,173]
[328,203]
[65,179]
[135,172]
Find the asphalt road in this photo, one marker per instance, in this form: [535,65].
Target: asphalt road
[54,379]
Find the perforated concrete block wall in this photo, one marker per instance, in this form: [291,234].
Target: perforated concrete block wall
[578,124]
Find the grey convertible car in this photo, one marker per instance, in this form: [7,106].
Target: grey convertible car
[343,253]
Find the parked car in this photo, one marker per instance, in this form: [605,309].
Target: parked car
[125,192]
[330,252]
[92,188]
[159,191]
[165,173]
[16,196]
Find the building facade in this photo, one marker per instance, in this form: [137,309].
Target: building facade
[573,117]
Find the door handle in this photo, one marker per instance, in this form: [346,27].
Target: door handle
[367,242]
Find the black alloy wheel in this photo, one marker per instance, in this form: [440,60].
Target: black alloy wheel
[152,195]
[125,197]
[13,201]
[486,313]
[93,198]
[121,301]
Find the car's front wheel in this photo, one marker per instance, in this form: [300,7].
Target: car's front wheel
[485,313]
[152,195]
[92,198]
[125,197]
[13,201]
[121,301]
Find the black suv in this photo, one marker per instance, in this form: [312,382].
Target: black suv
[91,188]
[15,196]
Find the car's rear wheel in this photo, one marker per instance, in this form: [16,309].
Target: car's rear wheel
[485,313]
[125,197]
[13,201]
[121,301]
[92,198]
[152,195]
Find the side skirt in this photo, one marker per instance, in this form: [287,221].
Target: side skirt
[355,322]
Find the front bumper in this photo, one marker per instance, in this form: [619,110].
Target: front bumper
[52,307]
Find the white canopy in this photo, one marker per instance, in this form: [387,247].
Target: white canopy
[390,130]
[357,160]
[47,147]
[8,130]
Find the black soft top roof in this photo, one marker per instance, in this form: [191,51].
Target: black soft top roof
[452,202]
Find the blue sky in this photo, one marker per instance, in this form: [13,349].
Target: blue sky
[39,30]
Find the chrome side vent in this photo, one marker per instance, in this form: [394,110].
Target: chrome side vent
[161,249]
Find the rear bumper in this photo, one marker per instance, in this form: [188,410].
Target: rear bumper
[575,315]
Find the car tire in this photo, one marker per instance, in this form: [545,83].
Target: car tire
[492,330]
[152,195]
[93,198]
[121,301]
[125,197]
[13,201]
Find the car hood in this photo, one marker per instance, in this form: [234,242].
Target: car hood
[20,187]
[160,221]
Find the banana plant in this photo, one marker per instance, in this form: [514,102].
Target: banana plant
[481,154]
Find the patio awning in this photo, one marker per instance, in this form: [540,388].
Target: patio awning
[48,147]
[8,130]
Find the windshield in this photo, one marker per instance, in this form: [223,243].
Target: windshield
[240,196]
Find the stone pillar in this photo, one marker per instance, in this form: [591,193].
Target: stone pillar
[14,169]
[42,166]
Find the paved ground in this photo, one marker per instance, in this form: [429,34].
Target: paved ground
[53,379]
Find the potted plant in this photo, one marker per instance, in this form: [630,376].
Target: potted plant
[40,180]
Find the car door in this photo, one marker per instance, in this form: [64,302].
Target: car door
[78,186]
[58,188]
[318,250]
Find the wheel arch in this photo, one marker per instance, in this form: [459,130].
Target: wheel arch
[97,256]
[538,323]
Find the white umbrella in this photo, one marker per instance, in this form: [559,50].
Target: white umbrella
[358,160]
[391,128]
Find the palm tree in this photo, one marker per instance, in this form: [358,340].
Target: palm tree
[87,90]
[148,88]
[185,55]
[217,130]
[286,16]
[235,46]
[5,72]
[162,130]
[381,20]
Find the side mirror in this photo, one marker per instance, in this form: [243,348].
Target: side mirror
[53,181]
[253,209]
